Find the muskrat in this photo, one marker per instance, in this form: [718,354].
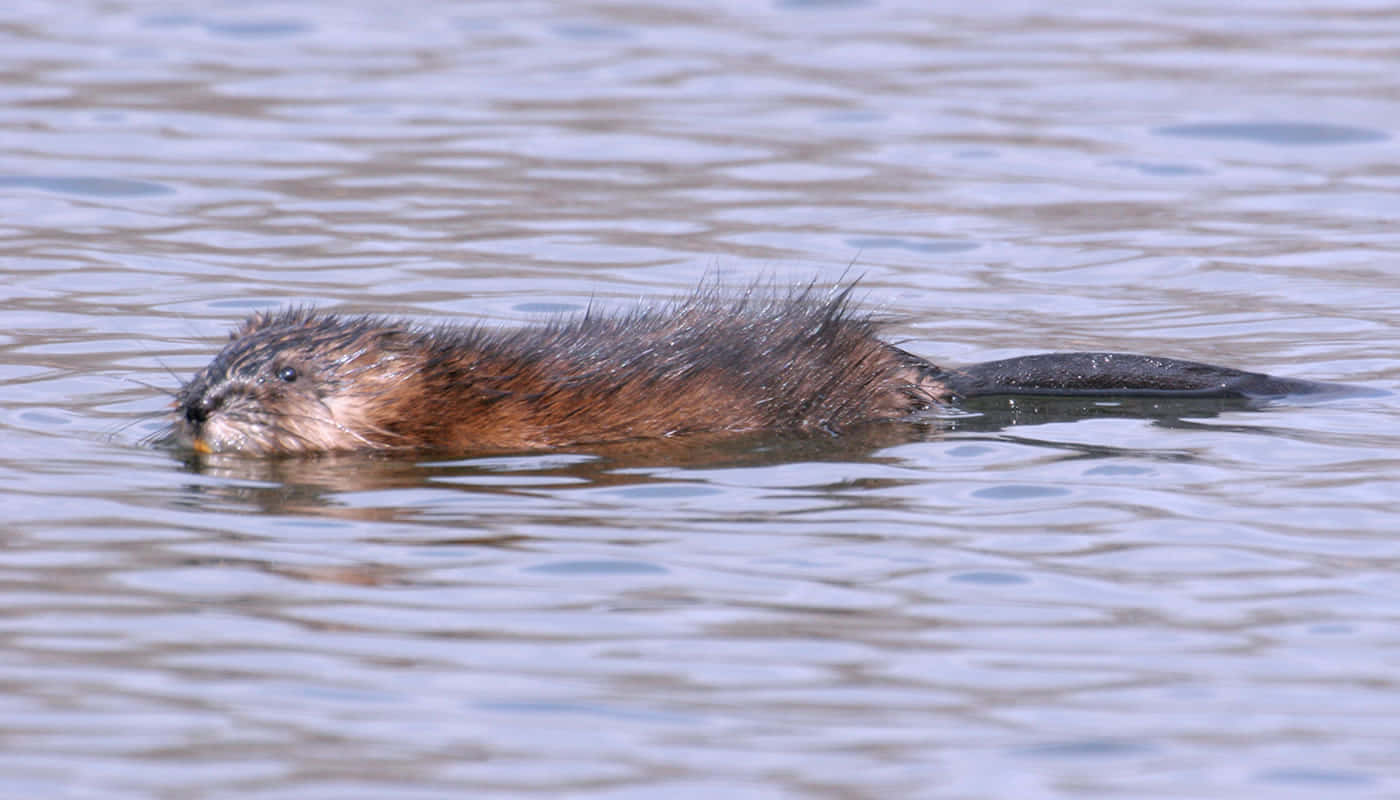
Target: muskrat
[301,381]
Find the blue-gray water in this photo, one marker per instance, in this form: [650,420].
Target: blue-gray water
[1110,607]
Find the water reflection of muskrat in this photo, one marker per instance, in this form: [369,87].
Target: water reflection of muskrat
[301,381]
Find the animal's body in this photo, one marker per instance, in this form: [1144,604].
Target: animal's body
[301,381]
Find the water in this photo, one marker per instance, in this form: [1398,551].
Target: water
[1198,603]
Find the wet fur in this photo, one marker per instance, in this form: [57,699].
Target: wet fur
[711,363]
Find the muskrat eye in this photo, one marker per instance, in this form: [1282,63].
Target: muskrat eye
[287,374]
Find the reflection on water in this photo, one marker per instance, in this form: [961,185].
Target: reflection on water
[317,485]
[1046,599]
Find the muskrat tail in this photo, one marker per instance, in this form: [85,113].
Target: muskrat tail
[1123,375]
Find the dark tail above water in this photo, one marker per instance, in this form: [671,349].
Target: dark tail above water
[1124,375]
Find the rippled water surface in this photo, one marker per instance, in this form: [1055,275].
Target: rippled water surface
[1180,602]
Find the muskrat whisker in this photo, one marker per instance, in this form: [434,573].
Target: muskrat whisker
[372,428]
[279,429]
[159,437]
[140,418]
[388,434]
[172,372]
[340,426]
[161,389]
[144,416]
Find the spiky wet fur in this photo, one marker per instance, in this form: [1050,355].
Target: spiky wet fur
[713,362]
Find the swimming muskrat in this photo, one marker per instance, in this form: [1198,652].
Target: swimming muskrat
[301,381]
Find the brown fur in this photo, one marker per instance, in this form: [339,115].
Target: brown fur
[710,363]
[301,381]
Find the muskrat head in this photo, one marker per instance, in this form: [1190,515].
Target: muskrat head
[292,382]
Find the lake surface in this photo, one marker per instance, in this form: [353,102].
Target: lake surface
[1186,602]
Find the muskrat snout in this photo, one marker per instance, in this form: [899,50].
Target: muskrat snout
[195,405]
[196,411]
[214,416]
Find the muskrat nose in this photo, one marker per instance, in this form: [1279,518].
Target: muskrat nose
[197,411]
